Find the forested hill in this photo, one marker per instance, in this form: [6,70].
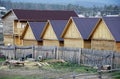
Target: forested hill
[85,3]
[85,10]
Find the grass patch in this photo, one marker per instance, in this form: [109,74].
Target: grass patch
[116,75]
[70,67]
[2,59]
[21,77]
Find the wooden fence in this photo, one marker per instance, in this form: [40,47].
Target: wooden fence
[86,57]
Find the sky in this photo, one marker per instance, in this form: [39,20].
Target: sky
[80,2]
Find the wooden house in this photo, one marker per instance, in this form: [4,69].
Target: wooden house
[52,31]
[77,31]
[106,34]
[15,20]
[32,32]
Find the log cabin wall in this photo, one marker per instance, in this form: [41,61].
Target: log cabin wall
[8,23]
[72,37]
[102,38]
[8,39]
[29,42]
[49,37]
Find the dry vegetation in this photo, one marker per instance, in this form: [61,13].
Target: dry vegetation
[47,69]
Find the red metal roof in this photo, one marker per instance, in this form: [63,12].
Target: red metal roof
[43,15]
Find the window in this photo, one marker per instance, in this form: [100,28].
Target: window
[23,25]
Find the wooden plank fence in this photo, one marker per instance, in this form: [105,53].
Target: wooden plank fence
[75,55]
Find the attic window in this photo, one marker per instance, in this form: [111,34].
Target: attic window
[23,25]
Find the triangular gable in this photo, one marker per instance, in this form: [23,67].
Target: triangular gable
[28,34]
[48,32]
[58,26]
[102,32]
[113,24]
[11,12]
[85,26]
[71,30]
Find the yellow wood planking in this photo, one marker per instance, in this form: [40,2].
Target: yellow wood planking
[29,42]
[19,27]
[17,41]
[75,43]
[49,33]
[51,43]
[72,31]
[29,34]
[8,39]
[87,44]
[102,32]
[103,44]
[118,47]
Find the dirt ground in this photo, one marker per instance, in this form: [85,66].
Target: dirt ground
[33,71]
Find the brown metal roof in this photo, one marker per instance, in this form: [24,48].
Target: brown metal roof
[43,15]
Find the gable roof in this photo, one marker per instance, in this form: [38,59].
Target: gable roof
[113,24]
[58,26]
[37,28]
[42,15]
[85,25]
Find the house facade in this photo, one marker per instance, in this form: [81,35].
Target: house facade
[106,34]
[52,31]
[77,31]
[15,20]
[32,32]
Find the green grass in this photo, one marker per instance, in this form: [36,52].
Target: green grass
[116,75]
[56,68]
[21,77]
[70,67]
[2,59]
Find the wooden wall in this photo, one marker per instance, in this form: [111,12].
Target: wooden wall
[49,33]
[18,41]
[8,23]
[87,44]
[29,42]
[19,27]
[51,43]
[102,32]
[72,31]
[118,46]
[72,37]
[49,37]
[102,38]
[75,43]
[8,39]
[29,34]
[103,45]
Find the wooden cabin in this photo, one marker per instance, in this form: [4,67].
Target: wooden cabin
[77,31]
[52,31]
[14,21]
[32,32]
[106,34]
[18,29]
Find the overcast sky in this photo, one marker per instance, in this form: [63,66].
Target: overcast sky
[115,2]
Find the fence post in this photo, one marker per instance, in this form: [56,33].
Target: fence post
[56,52]
[33,51]
[15,51]
[113,58]
[79,56]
